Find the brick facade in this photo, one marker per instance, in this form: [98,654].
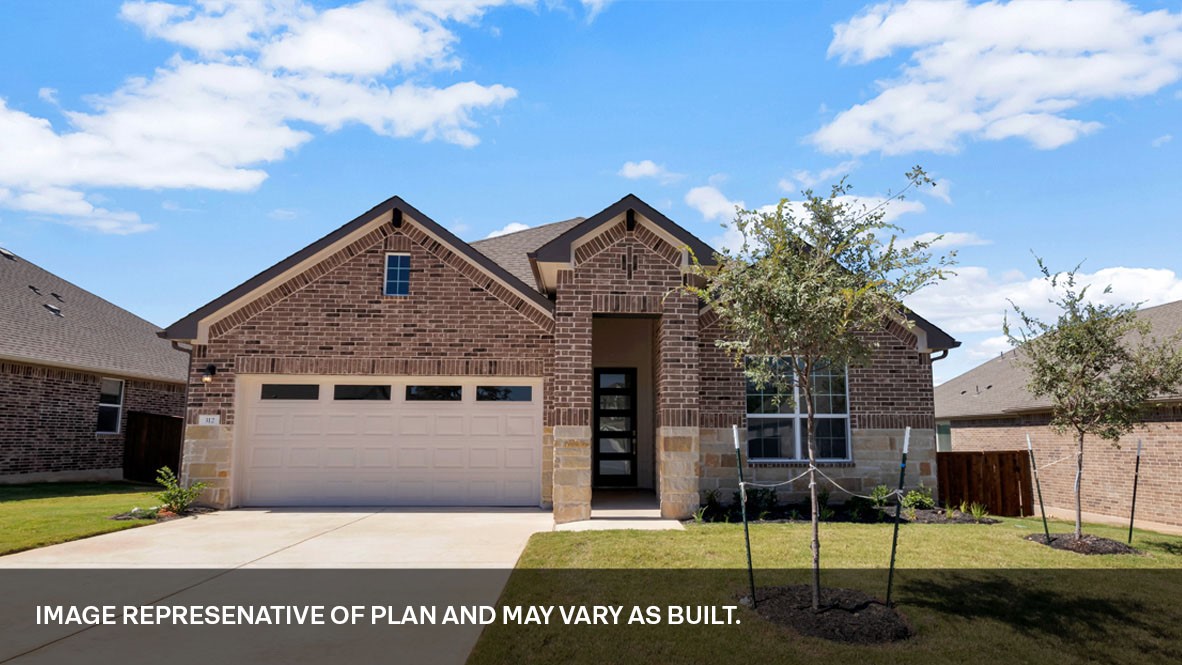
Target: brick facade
[456,321]
[1108,470]
[333,319]
[48,422]
[890,393]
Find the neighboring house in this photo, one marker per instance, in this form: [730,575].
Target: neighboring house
[391,362]
[72,367]
[988,408]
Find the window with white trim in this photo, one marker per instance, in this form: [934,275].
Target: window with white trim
[110,410]
[777,432]
[397,281]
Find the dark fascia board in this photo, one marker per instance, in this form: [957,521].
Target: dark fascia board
[186,328]
[558,250]
[938,340]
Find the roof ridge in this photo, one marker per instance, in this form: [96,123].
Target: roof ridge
[528,228]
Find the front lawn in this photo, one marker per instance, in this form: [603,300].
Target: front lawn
[47,513]
[973,593]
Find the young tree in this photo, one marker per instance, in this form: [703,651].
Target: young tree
[1096,363]
[800,294]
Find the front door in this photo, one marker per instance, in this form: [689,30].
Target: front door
[614,427]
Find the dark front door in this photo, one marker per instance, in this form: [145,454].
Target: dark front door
[614,427]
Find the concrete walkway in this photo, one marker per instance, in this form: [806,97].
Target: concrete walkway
[307,538]
[243,557]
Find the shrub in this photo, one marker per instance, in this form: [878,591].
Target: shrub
[760,502]
[859,508]
[879,495]
[175,498]
[919,499]
[978,511]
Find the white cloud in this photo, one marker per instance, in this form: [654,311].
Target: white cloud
[715,206]
[802,179]
[712,203]
[948,239]
[511,227]
[595,7]
[939,189]
[1161,140]
[48,95]
[72,208]
[997,70]
[648,169]
[975,301]
[283,214]
[261,80]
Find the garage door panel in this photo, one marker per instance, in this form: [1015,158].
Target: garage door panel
[449,425]
[340,457]
[486,425]
[302,457]
[414,425]
[484,458]
[520,425]
[374,457]
[414,458]
[342,424]
[448,457]
[305,425]
[375,452]
[379,425]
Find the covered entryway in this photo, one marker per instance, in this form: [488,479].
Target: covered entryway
[388,441]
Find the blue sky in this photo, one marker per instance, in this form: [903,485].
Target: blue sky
[158,153]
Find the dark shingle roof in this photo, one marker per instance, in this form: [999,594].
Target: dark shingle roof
[511,249]
[91,333]
[998,386]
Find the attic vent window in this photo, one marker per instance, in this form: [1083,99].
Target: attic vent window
[58,297]
[35,289]
[57,311]
[7,254]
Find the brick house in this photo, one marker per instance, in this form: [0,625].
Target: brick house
[393,363]
[988,408]
[72,367]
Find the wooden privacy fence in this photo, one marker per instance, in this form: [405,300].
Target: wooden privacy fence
[1001,480]
[152,441]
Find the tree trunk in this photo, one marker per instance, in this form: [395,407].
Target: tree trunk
[1079,489]
[816,515]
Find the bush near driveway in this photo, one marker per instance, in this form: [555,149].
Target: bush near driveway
[43,514]
[974,594]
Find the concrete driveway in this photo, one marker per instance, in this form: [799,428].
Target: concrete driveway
[308,538]
[244,557]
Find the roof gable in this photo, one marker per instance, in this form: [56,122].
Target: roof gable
[399,212]
[558,250]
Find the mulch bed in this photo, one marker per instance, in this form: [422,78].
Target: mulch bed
[1085,544]
[846,615]
[162,515]
[940,516]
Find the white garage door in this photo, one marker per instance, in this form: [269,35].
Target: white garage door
[398,441]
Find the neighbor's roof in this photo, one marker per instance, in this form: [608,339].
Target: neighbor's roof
[91,333]
[998,387]
[512,249]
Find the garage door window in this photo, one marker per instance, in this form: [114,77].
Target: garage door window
[504,394]
[434,393]
[290,391]
[380,393]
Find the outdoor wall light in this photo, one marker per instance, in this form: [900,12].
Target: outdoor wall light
[208,374]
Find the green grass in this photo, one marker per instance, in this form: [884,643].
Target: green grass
[974,593]
[48,513]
